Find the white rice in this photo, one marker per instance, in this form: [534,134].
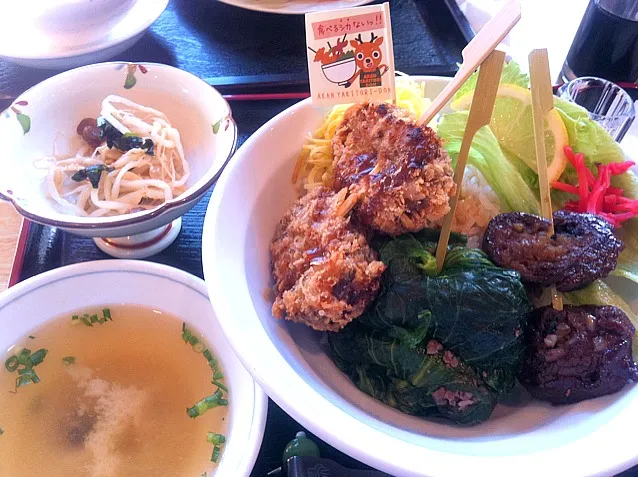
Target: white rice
[477,205]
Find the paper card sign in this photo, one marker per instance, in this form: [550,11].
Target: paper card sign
[350,55]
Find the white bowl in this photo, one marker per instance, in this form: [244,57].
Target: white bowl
[51,294]
[58,104]
[589,438]
[340,71]
[70,33]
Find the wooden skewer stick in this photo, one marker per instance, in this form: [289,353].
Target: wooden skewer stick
[542,104]
[475,53]
[480,115]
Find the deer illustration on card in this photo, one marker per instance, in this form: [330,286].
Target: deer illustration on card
[350,55]
[368,56]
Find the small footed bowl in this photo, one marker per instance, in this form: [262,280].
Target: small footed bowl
[50,112]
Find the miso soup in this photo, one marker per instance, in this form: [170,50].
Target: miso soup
[110,392]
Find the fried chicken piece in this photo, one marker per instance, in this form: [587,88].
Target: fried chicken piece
[325,272]
[399,170]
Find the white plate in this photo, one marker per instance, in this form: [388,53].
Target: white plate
[49,295]
[69,33]
[294,6]
[589,438]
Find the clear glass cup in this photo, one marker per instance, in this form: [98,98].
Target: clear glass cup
[607,103]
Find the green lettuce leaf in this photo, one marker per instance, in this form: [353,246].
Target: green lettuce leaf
[588,137]
[511,75]
[628,261]
[487,156]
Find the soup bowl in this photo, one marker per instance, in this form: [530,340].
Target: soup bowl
[293,365]
[47,115]
[38,300]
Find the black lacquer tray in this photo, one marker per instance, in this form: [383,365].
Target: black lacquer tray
[239,50]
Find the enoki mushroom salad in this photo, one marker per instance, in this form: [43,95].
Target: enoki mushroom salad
[131,160]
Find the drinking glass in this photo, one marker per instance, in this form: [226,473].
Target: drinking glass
[607,103]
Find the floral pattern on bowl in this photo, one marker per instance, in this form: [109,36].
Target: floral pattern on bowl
[23,119]
[56,106]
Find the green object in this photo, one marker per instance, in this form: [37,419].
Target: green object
[474,308]
[23,363]
[216,453]
[215,438]
[511,74]
[37,357]
[25,122]
[300,446]
[503,175]
[473,312]
[588,137]
[23,356]
[68,360]
[220,385]
[217,125]
[130,81]
[87,319]
[207,403]
[11,363]
[93,174]
[407,379]
[628,260]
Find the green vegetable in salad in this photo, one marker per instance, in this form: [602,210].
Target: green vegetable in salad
[516,184]
[513,191]
[511,74]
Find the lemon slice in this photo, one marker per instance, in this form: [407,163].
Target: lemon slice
[512,125]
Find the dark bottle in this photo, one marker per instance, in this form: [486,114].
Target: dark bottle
[606,44]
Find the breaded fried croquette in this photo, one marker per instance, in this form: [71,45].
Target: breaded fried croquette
[398,170]
[325,272]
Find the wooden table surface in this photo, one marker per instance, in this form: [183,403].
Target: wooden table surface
[10,223]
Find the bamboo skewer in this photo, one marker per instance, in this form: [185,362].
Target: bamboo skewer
[475,53]
[480,115]
[542,104]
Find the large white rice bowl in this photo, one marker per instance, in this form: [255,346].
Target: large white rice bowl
[523,437]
